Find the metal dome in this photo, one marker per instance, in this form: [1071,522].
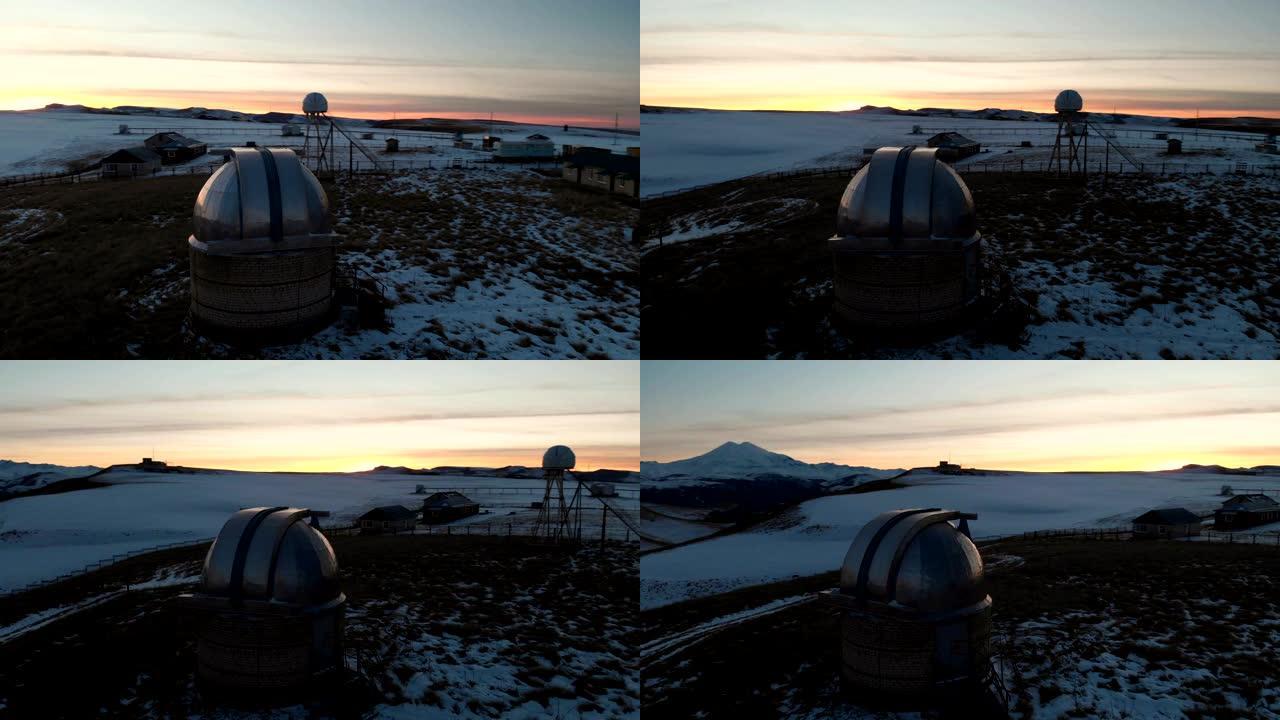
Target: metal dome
[1068,101]
[261,200]
[315,103]
[558,457]
[914,560]
[905,199]
[270,555]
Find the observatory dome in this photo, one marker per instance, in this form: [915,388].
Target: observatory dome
[914,560]
[558,457]
[906,251]
[315,103]
[1068,101]
[923,201]
[271,555]
[261,200]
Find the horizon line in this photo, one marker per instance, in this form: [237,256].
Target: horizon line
[108,466]
[521,118]
[955,109]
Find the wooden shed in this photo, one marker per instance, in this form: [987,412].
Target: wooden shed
[388,518]
[600,169]
[1166,523]
[131,162]
[954,146]
[448,506]
[174,147]
[1245,511]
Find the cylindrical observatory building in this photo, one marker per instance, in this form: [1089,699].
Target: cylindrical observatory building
[906,252]
[262,254]
[915,616]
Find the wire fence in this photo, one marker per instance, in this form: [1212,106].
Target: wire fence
[1119,533]
[383,167]
[993,167]
[489,529]
[102,565]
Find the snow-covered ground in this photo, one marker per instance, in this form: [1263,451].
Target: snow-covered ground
[813,537]
[20,477]
[663,526]
[691,148]
[46,536]
[484,264]
[36,142]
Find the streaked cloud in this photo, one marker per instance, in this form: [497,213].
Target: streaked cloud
[1149,57]
[1011,415]
[268,415]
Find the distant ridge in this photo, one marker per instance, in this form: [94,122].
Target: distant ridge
[277,117]
[1246,124]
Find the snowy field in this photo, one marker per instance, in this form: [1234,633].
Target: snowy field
[487,261]
[813,537]
[688,149]
[45,536]
[478,263]
[1136,266]
[41,142]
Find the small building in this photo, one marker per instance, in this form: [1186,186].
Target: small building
[1245,511]
[488,142]
[152,465]
[604,489]
[1162,136]
[1175,146]
[953,146]
[393,145]
[131,162]
[366,136]
[174,147]
[388,518]
[534,147]
[123,129]
[290,130]
[448,506]
[1166,523]
[599,169]
[948,468]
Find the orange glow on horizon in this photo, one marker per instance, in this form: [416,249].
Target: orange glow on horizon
[588,459]
[1031,102]
[257,103]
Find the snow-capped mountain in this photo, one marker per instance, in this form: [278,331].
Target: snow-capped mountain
[20,477]
[734,460]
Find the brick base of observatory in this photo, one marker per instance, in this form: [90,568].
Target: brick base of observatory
[266,650]
[904,289]
[290,292]
[900,656]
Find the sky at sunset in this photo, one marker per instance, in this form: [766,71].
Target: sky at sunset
[1158,57]
[319,416]
[573,61]
[1015,415]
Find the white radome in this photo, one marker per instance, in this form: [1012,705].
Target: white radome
[1068,101]
[315,103]
[558,457]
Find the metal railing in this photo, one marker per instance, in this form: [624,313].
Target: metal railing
[102,565]
[993,167]
[353,168]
